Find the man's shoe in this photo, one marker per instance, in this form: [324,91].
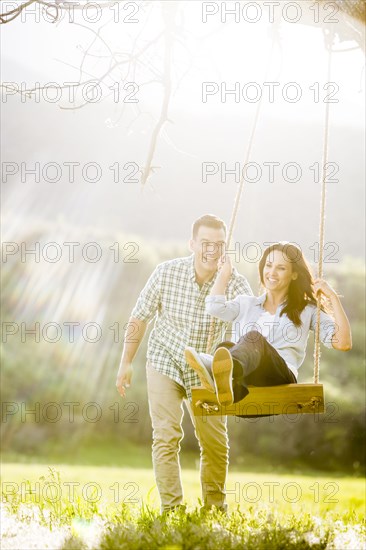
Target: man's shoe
[222,370]
[198,364]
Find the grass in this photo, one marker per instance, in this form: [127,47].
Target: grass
[286,492]
[117,508]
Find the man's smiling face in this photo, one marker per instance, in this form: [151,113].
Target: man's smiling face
[208,246]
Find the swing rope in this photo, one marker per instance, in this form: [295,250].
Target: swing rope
[329,43]
[241,183]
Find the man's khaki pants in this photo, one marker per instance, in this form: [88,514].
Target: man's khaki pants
[166,410]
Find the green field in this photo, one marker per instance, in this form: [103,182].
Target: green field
[266,510]
[286,493]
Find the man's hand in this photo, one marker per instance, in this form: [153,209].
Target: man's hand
[131,345]
[124,378]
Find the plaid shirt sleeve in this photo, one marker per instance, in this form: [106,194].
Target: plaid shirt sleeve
[149,300]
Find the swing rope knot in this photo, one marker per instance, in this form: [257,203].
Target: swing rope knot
[206,407]
[312,404]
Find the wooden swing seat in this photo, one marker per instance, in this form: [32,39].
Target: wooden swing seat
[268,400]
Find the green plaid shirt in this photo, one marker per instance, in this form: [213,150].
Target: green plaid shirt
[176,301]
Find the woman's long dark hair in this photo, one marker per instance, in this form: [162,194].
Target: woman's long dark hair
[300,292]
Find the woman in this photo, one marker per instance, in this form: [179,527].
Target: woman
[271,330]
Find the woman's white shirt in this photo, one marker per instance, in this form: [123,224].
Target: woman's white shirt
[247,313]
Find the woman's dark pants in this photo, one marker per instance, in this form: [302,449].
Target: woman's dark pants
[256,363]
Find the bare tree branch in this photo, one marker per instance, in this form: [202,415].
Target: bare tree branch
[127,65]
[169,14]
[9,16]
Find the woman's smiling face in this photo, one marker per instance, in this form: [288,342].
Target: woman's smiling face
[278,272]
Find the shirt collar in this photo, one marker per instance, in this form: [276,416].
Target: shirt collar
[261,299]
[192,273]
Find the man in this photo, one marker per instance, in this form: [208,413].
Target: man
[175,296]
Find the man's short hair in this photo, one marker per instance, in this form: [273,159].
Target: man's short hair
[208,220]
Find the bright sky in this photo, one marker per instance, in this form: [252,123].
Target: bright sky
[234,52]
